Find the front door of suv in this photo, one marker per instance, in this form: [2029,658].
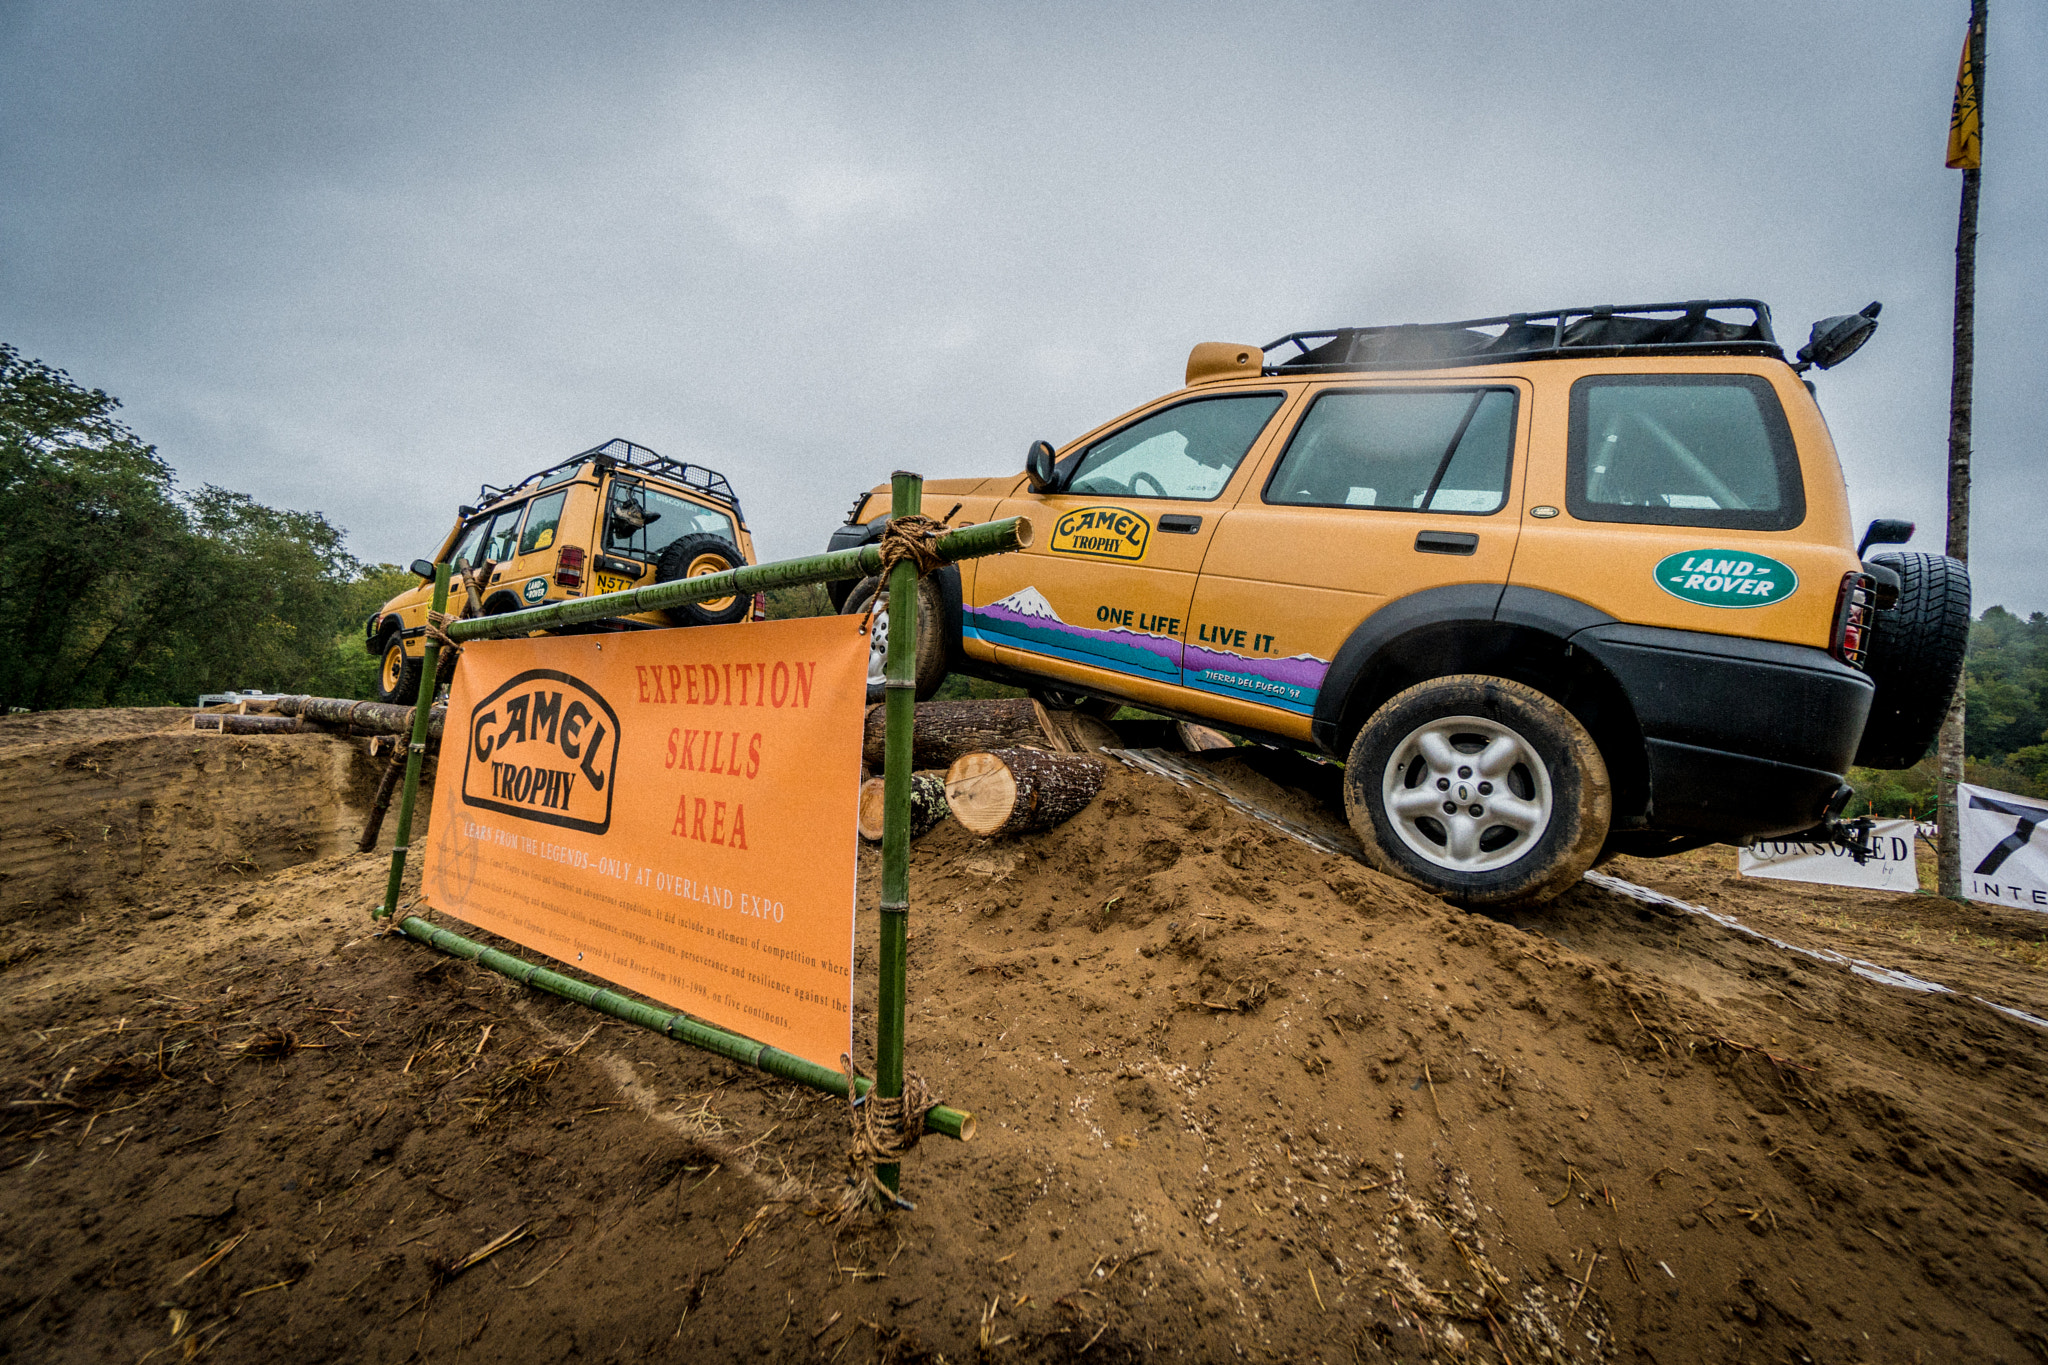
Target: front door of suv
[1383,490]
[1100,601]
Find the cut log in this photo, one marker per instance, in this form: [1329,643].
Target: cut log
[944,730]
[1020,791]
[232,724]
[364,717]
[1200,738]
[927,805]
[1078,732]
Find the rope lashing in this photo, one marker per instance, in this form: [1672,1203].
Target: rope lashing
[904,538]
[885,1127]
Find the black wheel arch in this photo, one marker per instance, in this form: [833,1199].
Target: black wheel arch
[383,628]
[1524,634]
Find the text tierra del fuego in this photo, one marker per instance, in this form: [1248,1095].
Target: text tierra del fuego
[671,810]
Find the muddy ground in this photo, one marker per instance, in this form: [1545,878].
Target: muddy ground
[1237,1098]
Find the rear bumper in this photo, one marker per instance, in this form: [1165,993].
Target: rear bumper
[1742,738]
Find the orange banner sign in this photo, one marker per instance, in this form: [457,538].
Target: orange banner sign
[670,810]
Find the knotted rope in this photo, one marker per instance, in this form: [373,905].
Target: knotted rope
[910,538]
[885,1128]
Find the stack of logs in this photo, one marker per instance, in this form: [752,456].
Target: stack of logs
[998,767]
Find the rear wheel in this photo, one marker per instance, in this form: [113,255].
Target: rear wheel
[398,673]
[1482,790]
[930,664]
[695,556]
[1915,657]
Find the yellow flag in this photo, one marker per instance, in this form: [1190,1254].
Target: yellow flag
[1965,145]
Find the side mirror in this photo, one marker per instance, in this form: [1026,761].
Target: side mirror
[1038,466]
[1885,531]
[1835,339]
[423,567]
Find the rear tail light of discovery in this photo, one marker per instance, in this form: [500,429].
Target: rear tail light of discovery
[1854,620]
[760,606]
[569,567]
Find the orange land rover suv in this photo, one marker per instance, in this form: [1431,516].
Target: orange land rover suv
[1552,585]
[614,517]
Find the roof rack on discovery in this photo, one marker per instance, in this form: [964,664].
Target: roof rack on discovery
[1610,330]
[620,453]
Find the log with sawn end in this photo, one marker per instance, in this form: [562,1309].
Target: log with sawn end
[944,730]
[927,805]
[1020,791]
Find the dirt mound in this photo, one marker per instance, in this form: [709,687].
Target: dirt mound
[1238,1097]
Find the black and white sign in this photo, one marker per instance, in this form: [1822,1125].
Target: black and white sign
[2005,847]
[1891,868]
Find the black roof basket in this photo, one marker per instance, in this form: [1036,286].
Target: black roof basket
[1609,330]
[620,453]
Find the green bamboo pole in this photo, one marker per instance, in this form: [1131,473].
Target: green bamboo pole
[953,1123]
[899,700]
[969,542]
[416,755]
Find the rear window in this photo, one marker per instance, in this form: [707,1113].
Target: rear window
[1411,450]
[1683,450]
[644,521]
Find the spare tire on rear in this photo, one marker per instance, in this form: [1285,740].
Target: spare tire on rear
[694,556]
[1915,657]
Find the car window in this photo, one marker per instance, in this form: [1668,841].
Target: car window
[1188,451]
[1683,450]
[467,549]
[504,537]
[1429,450]
[542,523]
[645,521]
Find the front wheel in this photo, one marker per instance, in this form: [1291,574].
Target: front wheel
[1479,789]
[930,663]
[398,673]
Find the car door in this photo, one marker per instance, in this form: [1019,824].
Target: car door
[1380,491]
[1100,601]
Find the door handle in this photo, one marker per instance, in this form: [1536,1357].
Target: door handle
[1180,523]
[1447,542]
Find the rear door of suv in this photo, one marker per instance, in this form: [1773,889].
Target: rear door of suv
[1679,499]
[1384,488]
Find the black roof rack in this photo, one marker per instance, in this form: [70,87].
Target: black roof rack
[621,453]
[1609,330]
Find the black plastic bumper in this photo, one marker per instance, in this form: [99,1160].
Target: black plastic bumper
[1743,737]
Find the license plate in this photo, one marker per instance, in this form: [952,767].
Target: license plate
[611,582]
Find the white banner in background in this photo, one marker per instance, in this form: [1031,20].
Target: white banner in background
[1890,868]
[2005,847]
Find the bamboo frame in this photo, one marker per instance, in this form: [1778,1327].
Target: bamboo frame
[971,542]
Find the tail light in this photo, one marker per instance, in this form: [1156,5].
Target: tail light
[1854,606]
[569,566]
[760,606]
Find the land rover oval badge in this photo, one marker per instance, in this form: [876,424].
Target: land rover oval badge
[1726,578]
[536,588]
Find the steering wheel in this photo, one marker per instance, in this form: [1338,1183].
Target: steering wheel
[1140,479]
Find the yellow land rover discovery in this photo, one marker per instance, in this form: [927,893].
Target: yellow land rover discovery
[614,517]
[1553,585]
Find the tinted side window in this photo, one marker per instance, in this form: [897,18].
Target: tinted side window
[1683,450]
[1188,451]
[1433,450]
[504,537]
[542,524]
[468,549]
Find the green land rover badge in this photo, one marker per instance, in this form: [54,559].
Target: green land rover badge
[536,588]
[1726,578]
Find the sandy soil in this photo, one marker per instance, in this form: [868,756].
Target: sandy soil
[1239,1097]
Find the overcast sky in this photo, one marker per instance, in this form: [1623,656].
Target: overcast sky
[361,258]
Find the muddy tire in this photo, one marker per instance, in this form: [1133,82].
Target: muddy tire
[1915,657]
[398,674]
[931,646]
[1479,789]
[694,556]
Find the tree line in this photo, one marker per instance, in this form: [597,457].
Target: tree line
[119,589]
